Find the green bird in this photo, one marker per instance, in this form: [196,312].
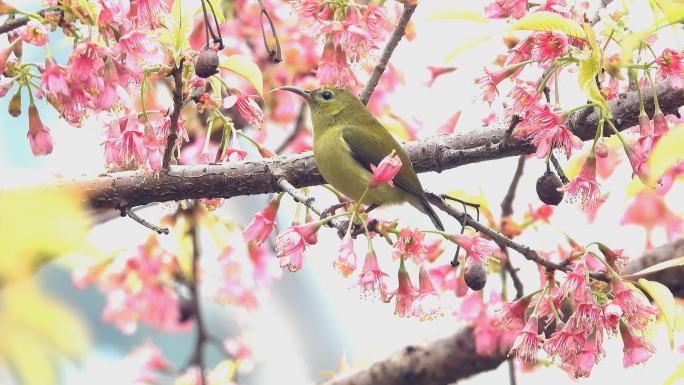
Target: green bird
[348,139]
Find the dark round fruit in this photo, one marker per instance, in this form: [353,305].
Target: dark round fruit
[475,276]
[207,64]
[547,189]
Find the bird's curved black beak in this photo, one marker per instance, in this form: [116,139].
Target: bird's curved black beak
[295,90]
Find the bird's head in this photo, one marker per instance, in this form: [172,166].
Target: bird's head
[327,102]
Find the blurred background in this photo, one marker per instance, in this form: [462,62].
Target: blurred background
[311,319]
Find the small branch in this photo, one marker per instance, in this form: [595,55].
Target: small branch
[597,16]
[276,54]
[310,202]
[392,43]
[501,239]
[507,203]
[298,128]
[559,169]
[175,115]
[12,24]
[202,335]
[511,372]
[128,212]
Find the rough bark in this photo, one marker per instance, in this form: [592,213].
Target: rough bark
[134,188]
[453,358]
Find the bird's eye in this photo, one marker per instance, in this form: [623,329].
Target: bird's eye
[327,95]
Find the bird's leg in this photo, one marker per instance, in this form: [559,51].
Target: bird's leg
[331,210]
[371,207]
[454,262]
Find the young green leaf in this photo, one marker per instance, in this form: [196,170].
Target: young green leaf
[670,263]
[245,67]
[667,152]
[665,301]
[549,21]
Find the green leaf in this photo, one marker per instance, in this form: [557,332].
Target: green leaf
[549,21]
[245,67]
[670,263]
[216,4]
[667,152]
[180,28]
[665,301]
[588,69]
[466,45]
[458,14]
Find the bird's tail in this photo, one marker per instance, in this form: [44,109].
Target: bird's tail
[426,207]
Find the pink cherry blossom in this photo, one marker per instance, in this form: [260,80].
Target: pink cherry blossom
[528,341]
[637,312]
[34,33]
[410,245]
[612,314]
[576,283]
[501,9]
[512,315]
[525,98]
[564,343]
[346,258]
[38,135]
[290,245]
[385,172]
[261,226]
[548,46]
[405,294]
[490,80]
[477,248]
[636,350]
[426,305]
[670,67]
[547,131]
[585,187]
[371,279]
[648,209]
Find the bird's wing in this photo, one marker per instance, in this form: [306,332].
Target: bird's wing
[366,147]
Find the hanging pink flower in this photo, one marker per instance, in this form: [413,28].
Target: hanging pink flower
[405,294]
[385,172]
[528,341]
[670,67]
[501,9]
[636,350]
[585,187]
[476,247]
[637,312]
[346,258]
[410,244]
[548,46]
[371,279]
[512,315]
[426,305]
[38,135]
[263,223]
[290,245]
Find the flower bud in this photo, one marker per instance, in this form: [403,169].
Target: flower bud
[14,107]
[547,188]
[38,135]
[207,64]
[601,149]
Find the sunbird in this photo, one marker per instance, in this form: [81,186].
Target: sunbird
[348,139]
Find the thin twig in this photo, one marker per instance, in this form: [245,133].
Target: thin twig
[202,335]
[298,128]
[559,169]
[12,24]
[175,114]
[511,372]
[507,203]
[126,211]
[597,16]
[276,54]
[499,238]
[392,43]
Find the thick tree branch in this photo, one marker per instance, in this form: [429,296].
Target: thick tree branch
[133,188]
[439,362]
[450,359]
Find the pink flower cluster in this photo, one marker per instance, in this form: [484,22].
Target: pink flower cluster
[139,288]
[351,33]
[577,341]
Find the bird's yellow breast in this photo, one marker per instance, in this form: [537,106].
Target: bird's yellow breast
[337,166]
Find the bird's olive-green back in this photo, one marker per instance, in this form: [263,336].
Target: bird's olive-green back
[369,141]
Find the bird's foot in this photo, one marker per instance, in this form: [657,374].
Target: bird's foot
[331,210]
